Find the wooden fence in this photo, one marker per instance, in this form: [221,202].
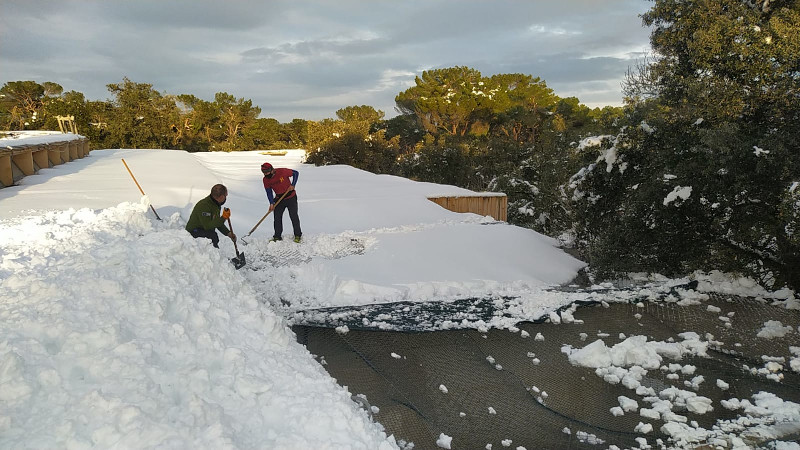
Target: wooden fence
[18,161]
[493,204]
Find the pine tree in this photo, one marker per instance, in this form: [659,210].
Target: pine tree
[701,174]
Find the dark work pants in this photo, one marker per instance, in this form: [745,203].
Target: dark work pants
[291,205]
[208,234]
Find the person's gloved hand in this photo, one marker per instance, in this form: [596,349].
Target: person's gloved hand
[226,213]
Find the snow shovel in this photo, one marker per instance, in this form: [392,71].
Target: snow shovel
[265,216]
[239,261]
[140,188]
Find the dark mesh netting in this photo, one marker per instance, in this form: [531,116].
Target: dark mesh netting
[501,385]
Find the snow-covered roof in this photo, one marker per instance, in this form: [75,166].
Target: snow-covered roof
[13,139]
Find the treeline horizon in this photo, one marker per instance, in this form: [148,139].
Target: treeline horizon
[138,116]
[699,170]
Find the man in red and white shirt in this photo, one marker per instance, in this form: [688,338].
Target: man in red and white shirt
[276,183]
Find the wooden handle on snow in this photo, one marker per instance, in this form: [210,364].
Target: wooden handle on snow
[265,215]
[140,188]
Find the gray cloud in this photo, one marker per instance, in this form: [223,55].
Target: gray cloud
[308,59]
[191,14]
[292,53]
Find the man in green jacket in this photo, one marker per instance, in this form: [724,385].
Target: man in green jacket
[206,216]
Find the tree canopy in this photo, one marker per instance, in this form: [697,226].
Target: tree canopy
[704,173]
[138,116]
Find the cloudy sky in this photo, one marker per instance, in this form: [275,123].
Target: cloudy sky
[301,59]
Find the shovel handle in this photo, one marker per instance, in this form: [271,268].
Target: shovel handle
[234,241]
[140,188]
[268,213]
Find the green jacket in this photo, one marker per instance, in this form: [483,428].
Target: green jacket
[206,215]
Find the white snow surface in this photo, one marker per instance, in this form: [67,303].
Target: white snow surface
[773,329]
[11,139]
[122,331]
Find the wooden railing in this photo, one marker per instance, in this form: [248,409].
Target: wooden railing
[493,204]
[18,160]
[67,124]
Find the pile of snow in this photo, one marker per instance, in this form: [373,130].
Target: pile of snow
[635,351]
[120,331]
[719,282]
[774,329]
[628,362]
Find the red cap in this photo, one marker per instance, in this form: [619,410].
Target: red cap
[266,167]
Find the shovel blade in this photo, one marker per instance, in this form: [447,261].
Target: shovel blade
[239,261]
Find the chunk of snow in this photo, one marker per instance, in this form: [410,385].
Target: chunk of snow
[650,413]
[444,441]
[610,157]
[773,329]
[592,141]
[759,151]
[699,405]
[679,192]
[588,438]
[628,404]
[794,362]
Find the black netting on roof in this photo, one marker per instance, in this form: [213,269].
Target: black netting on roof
[503,386]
